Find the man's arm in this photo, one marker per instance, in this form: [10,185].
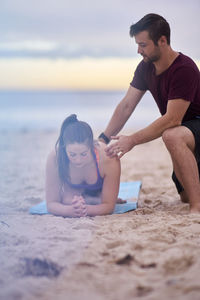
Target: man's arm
[123,111]
[176,110]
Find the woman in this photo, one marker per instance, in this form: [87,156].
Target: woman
[81,180]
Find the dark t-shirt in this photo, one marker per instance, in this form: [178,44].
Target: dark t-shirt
[180,81]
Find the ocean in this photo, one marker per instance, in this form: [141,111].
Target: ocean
[36,110]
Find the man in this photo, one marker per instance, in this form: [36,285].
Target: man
[174,81]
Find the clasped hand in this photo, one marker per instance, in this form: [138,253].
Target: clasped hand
[79,206]
[119,148]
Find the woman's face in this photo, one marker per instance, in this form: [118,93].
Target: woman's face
[78,154]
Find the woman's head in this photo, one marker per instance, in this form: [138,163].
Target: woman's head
[73,134]
[75,131]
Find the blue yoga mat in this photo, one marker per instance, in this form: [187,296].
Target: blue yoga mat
[128,191]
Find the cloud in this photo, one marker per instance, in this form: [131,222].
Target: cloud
[34,45]
[77,28]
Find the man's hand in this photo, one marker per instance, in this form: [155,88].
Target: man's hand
[123,145]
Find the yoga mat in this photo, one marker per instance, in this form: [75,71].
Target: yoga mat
[128,191]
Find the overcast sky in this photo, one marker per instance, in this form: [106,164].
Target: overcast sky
[79,28]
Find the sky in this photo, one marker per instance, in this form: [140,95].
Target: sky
[83,44]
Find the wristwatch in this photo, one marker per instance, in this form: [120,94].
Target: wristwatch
[104,137]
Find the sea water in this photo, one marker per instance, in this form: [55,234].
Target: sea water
[30,110]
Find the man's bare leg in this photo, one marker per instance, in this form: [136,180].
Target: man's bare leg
[184,197]
[181,144]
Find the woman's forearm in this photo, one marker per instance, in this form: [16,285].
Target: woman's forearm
[59,209]
[99,209]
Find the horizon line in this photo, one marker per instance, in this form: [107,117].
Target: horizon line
[22,90]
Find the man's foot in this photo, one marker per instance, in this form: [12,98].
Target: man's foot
[195,209]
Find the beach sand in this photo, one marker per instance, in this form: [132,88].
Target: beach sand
[150,253]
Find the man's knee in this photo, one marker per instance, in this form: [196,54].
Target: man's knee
[178,136]
[169,137]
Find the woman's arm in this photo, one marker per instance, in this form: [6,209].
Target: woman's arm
[53,192]
[112,170]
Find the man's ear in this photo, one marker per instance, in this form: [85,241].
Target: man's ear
[162,40]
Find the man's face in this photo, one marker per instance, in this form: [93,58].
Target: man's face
[147,48]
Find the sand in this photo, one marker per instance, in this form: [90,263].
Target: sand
[150,253]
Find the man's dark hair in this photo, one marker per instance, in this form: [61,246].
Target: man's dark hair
[155,25]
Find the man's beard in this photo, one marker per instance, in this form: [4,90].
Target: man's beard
[153,58]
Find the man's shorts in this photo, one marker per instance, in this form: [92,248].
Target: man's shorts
[194,126]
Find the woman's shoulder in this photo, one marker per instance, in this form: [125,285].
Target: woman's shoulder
[51,158]
[99,145]
[104,158]
[100,149]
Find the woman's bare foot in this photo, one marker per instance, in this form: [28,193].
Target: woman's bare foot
[120,201]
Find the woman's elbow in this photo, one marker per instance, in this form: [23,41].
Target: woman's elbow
[109,210]
[49,208]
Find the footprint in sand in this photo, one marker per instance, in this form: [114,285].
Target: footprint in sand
[40,267]
[158,237]
[142,291]
[178,265]
[192,288]
[114,244]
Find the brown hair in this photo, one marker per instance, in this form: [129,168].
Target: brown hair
[72,131]
[156,26]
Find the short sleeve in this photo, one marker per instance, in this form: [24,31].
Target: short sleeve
[139,81]
[183,84]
